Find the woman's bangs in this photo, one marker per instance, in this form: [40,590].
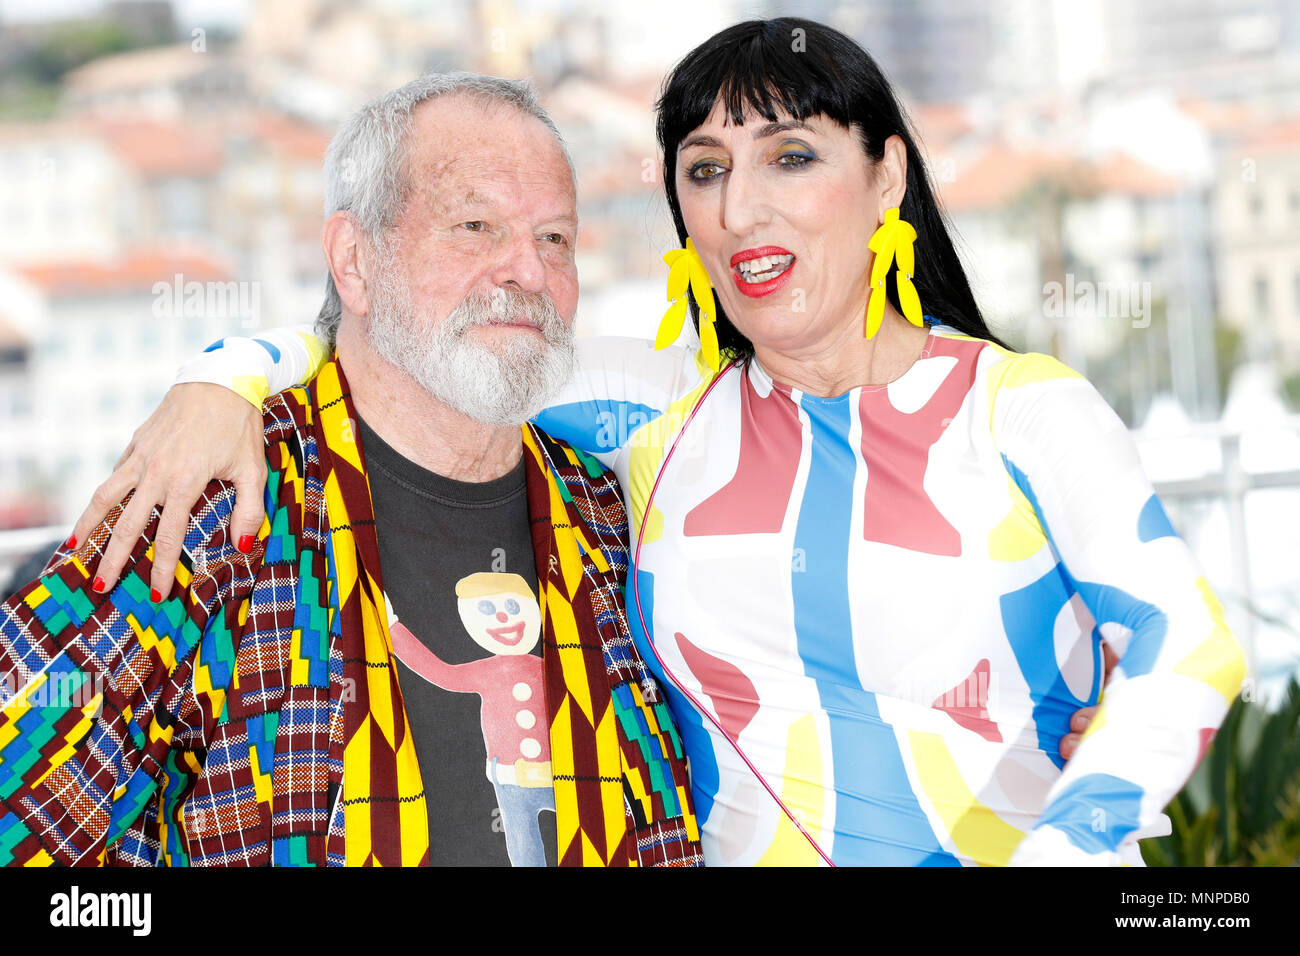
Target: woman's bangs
[762,77]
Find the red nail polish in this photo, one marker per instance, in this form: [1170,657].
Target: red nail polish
[70,543]
[154,595]
[98,585]
[245,543]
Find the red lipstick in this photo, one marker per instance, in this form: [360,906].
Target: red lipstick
[757,290]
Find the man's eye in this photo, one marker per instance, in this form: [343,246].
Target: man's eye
[703,172]
[475,225]
[559,238]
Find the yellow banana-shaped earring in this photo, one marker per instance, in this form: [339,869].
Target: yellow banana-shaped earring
[686,269]
[893,240]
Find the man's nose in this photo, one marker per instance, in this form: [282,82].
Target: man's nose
[521,264]
[502,616]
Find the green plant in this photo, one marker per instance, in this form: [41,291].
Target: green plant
[1291,388]
[1242,805]
[1229,349]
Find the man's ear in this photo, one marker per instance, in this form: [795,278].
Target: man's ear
[343,251]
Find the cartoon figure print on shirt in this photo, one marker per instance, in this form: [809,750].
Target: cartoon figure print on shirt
[501,615]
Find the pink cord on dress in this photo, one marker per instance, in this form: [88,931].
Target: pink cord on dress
[636,597]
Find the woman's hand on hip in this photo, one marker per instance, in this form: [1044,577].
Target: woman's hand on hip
[1083,717]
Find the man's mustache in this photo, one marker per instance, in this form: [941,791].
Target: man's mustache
[507,307]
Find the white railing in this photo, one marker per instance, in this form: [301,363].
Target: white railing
[1230,484]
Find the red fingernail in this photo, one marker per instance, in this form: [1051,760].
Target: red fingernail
[154,595]
[99,585]
[71,542]
[245,543]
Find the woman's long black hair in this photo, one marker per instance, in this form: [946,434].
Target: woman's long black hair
[806,68]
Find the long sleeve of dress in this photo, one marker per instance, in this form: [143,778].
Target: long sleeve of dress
[621,384]
[1180,667]
[257,367]
[108,700]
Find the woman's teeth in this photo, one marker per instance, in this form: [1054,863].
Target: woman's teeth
[764,269]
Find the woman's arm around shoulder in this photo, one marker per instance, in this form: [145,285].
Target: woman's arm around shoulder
[621,385]
[209,425]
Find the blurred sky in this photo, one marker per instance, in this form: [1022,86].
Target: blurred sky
[224,12]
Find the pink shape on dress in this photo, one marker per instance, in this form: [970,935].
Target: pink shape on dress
[756,498]
[896,447]
[968,703]
[733,694]
[1207,737]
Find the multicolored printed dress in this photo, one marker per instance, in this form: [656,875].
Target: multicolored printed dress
[877,612]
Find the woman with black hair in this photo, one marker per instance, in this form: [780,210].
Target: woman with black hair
[874,552]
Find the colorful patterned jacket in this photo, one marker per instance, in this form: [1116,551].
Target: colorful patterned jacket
[254,716]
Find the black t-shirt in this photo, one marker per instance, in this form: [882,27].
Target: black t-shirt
[458,568]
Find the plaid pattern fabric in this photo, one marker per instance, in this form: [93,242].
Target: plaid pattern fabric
[613,743]
[254,717]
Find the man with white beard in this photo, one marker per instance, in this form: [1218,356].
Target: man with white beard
[283,701]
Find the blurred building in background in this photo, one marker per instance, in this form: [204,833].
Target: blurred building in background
[1124,179]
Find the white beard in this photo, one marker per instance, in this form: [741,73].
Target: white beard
[506,384]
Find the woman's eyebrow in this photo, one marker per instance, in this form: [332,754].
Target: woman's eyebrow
[771,129]
[711,141]
[767,129]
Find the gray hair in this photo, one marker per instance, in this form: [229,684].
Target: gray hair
[366,165]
